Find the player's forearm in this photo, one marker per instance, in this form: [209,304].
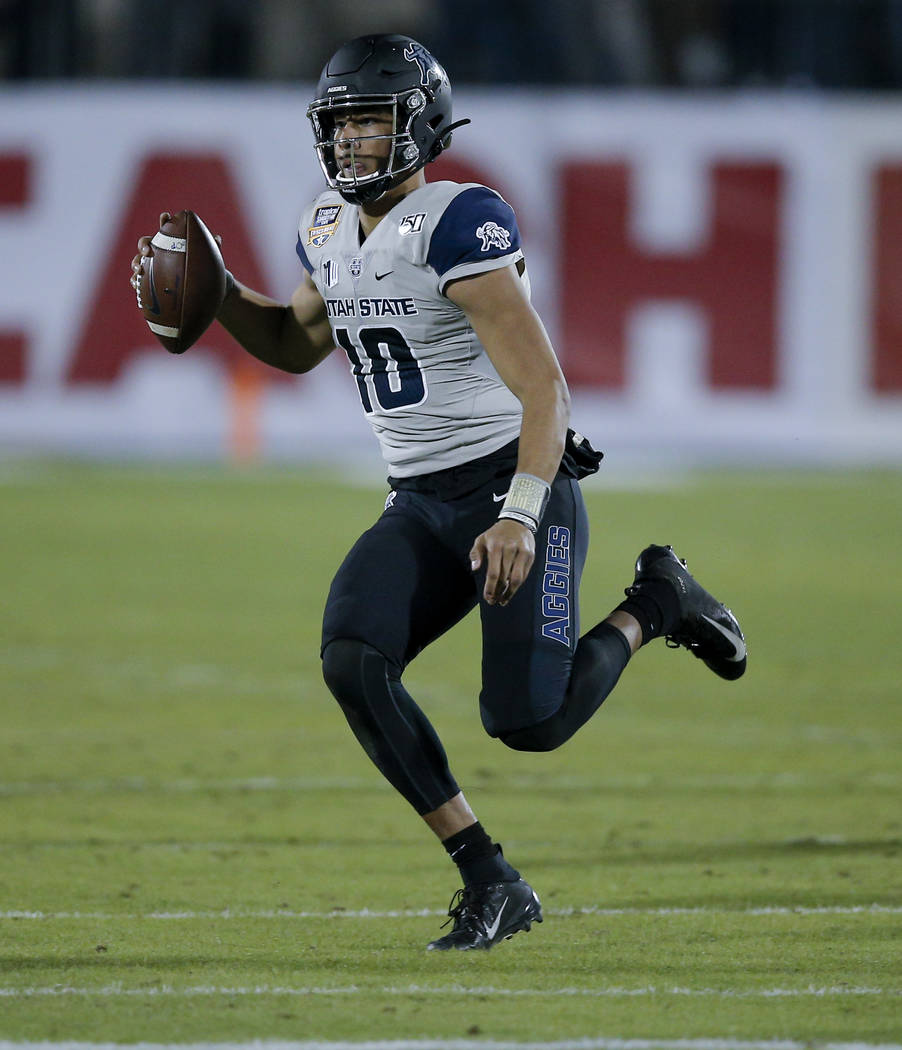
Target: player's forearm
[523,355]
[546,415]
[270,331]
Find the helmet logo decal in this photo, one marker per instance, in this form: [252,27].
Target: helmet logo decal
[430,71]
[493,236]
[325,221]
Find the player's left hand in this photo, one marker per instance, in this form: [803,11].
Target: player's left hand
[507,549]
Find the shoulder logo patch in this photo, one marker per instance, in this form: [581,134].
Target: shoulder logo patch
[411,224]
[493,236]
[325,221]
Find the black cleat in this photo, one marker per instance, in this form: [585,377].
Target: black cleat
[486,914]
[707,628]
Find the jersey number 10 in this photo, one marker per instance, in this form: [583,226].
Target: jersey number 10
[386,371]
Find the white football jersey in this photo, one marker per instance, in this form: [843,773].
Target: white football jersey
[426,384]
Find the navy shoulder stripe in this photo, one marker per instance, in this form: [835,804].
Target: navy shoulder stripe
[476,225]
[302,255]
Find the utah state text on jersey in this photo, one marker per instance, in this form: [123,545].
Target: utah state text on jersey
[349,307]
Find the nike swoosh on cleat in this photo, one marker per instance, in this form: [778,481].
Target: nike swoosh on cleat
[490,931]
[734,639]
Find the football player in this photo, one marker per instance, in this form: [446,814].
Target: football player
[424,287]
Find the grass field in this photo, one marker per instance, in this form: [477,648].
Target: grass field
[194,847]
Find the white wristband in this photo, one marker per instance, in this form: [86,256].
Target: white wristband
[526,500]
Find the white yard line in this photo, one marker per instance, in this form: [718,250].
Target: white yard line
[118,990]
[230,914]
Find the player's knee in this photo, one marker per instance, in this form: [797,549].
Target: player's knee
[343,670]
[539,737]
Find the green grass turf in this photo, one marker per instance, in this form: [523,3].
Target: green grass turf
[174,775]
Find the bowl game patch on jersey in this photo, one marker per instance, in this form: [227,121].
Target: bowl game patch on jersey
[325,221]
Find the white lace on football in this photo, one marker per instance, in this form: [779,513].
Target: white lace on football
[169,244]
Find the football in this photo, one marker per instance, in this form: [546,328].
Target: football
[182,284]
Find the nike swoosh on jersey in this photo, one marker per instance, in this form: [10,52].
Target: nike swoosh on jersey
[734,639]
[379,276]
[498,499]
[490,931]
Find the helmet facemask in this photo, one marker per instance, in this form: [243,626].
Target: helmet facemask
[404,155]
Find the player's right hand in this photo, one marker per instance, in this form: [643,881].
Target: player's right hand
[144,252]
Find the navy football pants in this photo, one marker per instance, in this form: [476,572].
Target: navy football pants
[408,579]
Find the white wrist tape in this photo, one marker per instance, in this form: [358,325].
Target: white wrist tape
[526,500]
